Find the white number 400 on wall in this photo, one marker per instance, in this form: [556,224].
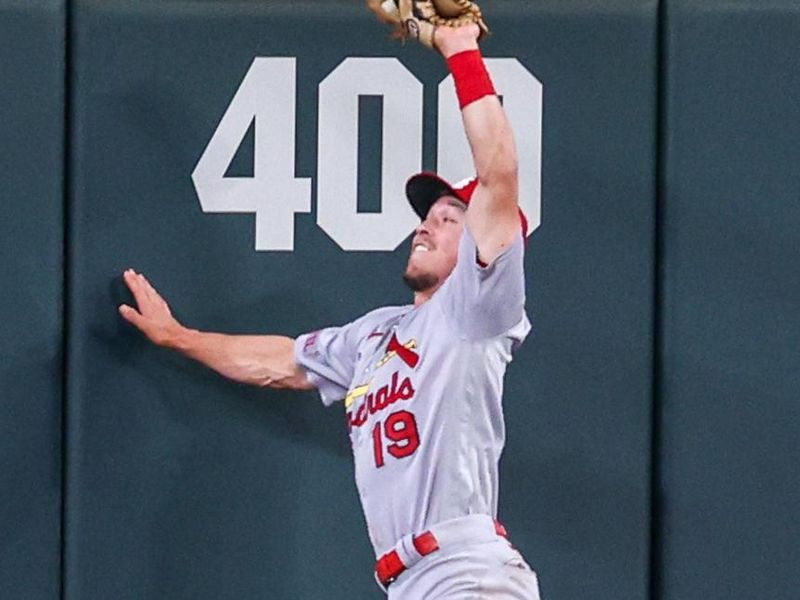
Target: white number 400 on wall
[267,95]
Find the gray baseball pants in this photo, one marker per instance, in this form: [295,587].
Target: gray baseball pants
[473,563]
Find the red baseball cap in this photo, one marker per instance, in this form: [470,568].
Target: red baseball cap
[424,189]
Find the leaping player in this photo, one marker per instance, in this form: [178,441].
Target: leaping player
[421,384]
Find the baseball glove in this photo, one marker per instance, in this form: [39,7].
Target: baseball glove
[420,18]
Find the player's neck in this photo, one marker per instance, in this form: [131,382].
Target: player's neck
[422,297]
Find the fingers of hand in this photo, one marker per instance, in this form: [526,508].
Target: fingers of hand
[134,283]
[153,294]
[153,317]
[130,314]
[147,298]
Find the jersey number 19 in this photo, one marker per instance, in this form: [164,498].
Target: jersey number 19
[400,428]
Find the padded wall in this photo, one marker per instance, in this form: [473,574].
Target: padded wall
[31,240]
[183,485]
[730,312]
[575,475]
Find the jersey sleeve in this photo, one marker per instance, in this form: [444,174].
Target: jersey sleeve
[487,301]
[328,357]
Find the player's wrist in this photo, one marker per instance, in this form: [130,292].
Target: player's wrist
[471,77]
[182,339]
[452,40]
[450,47]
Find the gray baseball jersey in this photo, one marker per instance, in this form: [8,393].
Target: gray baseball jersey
[422,392]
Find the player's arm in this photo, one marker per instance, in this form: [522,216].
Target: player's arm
[493,213]
[262,360]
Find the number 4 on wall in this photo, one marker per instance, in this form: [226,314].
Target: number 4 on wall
[267,96]
[274,194]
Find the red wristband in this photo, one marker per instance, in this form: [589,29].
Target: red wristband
[471,77]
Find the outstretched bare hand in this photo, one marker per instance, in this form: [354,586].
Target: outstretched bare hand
[153,317]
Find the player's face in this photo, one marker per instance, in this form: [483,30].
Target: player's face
[434,248]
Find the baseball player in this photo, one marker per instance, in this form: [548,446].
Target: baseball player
[421,384]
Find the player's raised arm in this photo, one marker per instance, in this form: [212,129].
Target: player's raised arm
[493,214]
[262,360]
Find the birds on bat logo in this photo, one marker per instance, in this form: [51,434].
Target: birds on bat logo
[404,351]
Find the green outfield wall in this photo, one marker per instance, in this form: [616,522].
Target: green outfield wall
[32,108]
[249,158]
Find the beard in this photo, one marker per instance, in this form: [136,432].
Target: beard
[420,282]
